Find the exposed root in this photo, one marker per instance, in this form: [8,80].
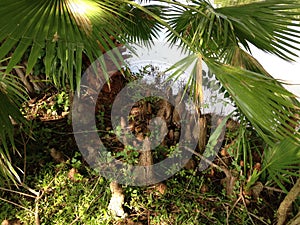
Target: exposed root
[117,200]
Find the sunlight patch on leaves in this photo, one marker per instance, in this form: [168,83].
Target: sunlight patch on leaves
[69,29]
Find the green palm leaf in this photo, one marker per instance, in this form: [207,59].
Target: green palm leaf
[233,2]
[265,103]
[140,26]
[236,56]
[66,29]
[201,26]
[270,25]
[282,160]
[11,97]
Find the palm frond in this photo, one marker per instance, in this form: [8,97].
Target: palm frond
[271,25]
[234,2]
[194,84]
[235,56]
[266,104]
[281,160]
[140,27]
[65,29]
[11,96]
[206,30]
[7,172]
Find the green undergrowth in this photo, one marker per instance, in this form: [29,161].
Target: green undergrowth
[189,199]
[82,197]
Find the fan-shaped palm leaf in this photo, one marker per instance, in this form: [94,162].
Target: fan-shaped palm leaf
[201,26]
[66,29]
[269,25]
[140,26]
[282,160]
